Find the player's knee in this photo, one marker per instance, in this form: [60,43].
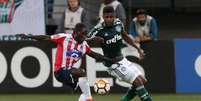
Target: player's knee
[144,80]
[138,81]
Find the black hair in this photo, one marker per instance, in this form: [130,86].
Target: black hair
[141,11]
[68,5]
[79,27]
[108,9]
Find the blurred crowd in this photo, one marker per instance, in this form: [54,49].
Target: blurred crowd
[142,27]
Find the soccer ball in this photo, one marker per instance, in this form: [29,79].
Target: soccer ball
[101,86]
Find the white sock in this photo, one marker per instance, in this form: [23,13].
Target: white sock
[84,86]
[82,97]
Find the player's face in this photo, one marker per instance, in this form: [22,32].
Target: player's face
[141,18]
[73,3]
[108,18]
[80,36]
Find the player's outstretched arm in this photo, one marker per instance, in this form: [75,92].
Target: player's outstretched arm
[40,37]
[35,37]
[99,57]
[128,39]
[95,40]
[146,39]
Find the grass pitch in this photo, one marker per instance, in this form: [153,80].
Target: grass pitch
[110,97]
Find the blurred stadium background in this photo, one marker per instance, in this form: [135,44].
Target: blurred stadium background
[172,64]
[177,15]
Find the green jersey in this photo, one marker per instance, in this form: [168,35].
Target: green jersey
[112,38]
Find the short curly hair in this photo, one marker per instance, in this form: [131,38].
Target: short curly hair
[108,9]
[141,11]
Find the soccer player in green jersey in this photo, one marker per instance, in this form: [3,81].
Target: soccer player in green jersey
[112,31]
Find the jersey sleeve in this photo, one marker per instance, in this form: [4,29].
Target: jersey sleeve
[122,27]
[94,31]
[119,25]
[58,38]
[87,48]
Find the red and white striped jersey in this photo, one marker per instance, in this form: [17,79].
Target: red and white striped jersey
[68,50]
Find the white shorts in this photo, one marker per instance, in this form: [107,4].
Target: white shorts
[125,71]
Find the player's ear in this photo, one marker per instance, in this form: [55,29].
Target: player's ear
[80,33]
[77,33]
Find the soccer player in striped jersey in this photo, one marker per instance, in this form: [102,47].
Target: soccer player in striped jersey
[70,48]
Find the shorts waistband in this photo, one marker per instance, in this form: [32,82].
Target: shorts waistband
[63,68]
[118,58]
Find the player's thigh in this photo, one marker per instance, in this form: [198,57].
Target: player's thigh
[62,74]
[77,72]
[133,73]
[65,76]
[140,80]
[124,72]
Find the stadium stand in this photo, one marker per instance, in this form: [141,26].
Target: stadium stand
[175,17]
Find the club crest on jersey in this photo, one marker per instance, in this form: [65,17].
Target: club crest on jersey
[106,34]
[118,28]
[73,53]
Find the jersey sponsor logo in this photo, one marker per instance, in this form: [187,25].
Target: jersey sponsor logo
[106,34]
[114,39]
[73,53]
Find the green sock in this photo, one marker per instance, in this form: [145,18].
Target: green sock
[143,94]
[131,93]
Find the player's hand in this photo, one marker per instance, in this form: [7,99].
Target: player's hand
[98,39]
[137,39]
[141,53]
[22,35]
[146,38]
